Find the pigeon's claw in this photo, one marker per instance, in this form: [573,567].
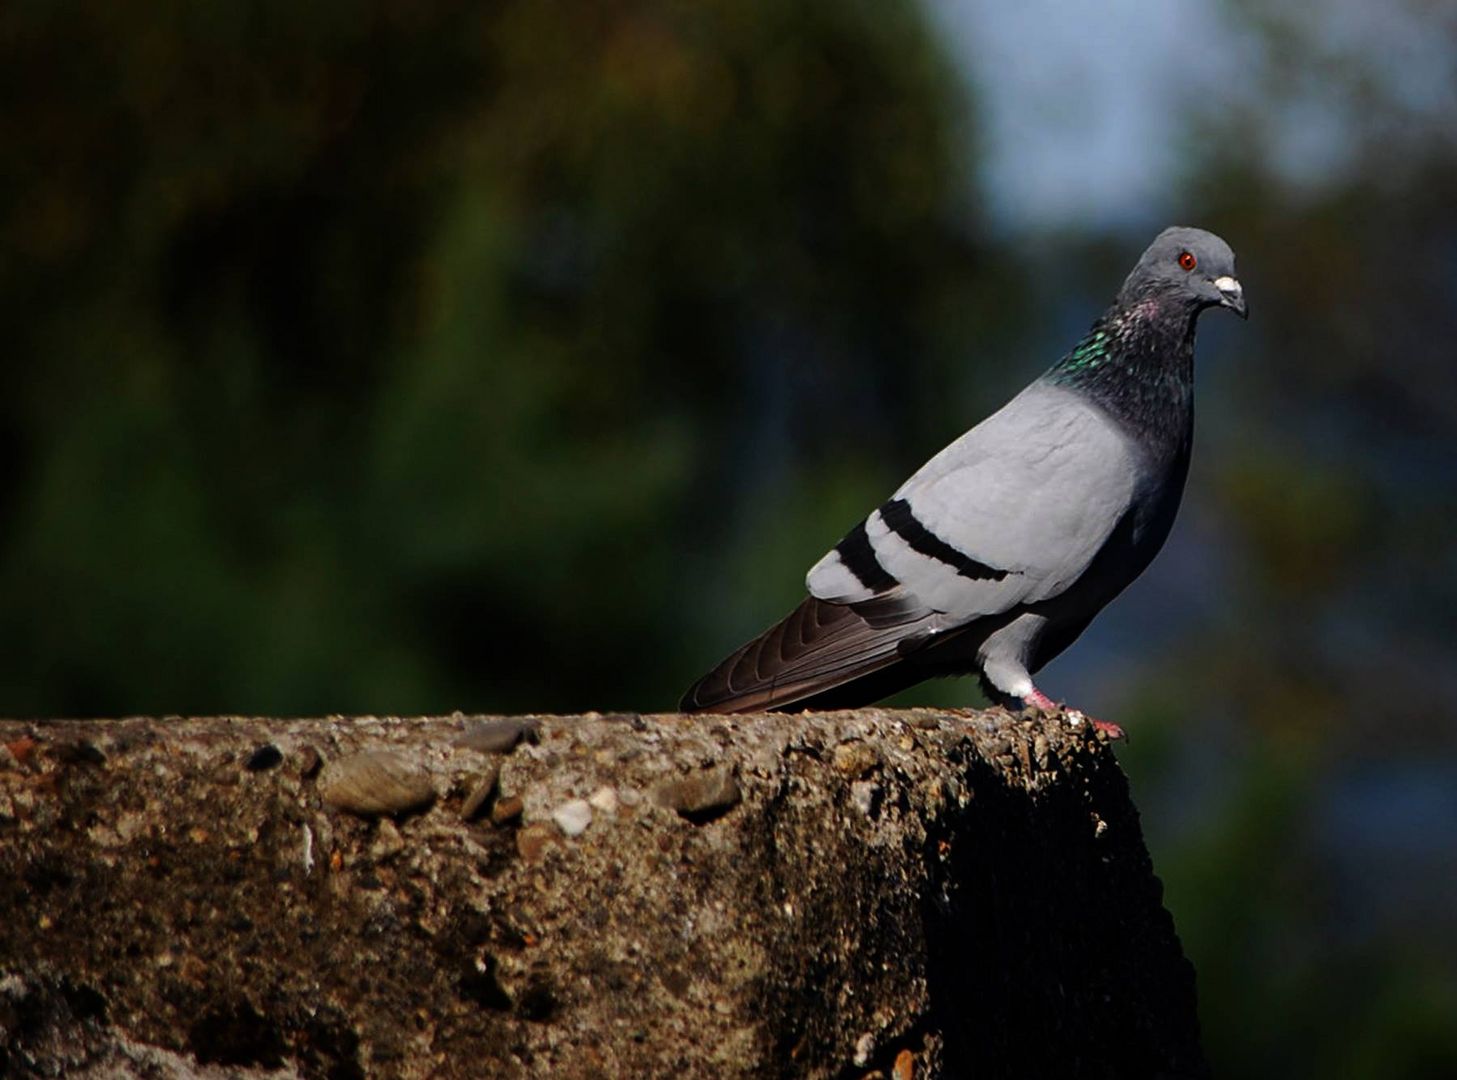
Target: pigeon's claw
[1038,700]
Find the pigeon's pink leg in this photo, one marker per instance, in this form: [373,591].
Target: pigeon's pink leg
[1042,701]
[1046,704]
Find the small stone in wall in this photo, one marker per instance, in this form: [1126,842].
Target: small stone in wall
[573,817]
[507,809]
[375,782]
[905,1066]
[480,793]
[604,799]
[495,736]
[855,759]
[533,840]
[700,795]
[387,841]
[865,795]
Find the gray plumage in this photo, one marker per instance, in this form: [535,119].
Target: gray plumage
[997,553]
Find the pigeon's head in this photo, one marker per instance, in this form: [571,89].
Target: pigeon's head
[1191,265]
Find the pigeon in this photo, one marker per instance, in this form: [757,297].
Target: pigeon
[999,551]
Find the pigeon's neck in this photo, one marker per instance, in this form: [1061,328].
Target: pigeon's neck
[1137,363]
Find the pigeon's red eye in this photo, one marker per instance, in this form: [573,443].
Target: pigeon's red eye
[1187,260]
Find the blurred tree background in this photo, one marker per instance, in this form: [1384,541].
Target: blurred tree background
[410,357]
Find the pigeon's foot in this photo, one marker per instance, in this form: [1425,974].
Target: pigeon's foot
[1038,700]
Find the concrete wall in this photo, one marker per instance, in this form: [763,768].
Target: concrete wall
[861,894]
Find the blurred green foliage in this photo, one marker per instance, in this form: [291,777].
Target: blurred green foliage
[398,358]
[383,357]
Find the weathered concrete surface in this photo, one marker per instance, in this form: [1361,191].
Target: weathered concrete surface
[870,893]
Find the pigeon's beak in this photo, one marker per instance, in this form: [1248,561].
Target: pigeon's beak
[1232,295]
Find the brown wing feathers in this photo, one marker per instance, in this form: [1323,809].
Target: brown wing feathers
[816,647]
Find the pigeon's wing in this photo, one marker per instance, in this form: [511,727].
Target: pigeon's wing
[817,646]
[1012,512]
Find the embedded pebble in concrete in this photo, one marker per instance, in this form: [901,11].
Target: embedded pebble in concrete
[700,795]
[480,794]
[507,809]
[573,817]
[864,795]
[495,736]
[533,840]
[604,799]
[20,749]
[864,1047]
[375,782]
[905,1066]
[855,759]
[387,841]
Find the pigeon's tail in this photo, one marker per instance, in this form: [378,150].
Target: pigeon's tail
[815,650]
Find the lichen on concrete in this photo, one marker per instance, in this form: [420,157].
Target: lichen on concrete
[822,895]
